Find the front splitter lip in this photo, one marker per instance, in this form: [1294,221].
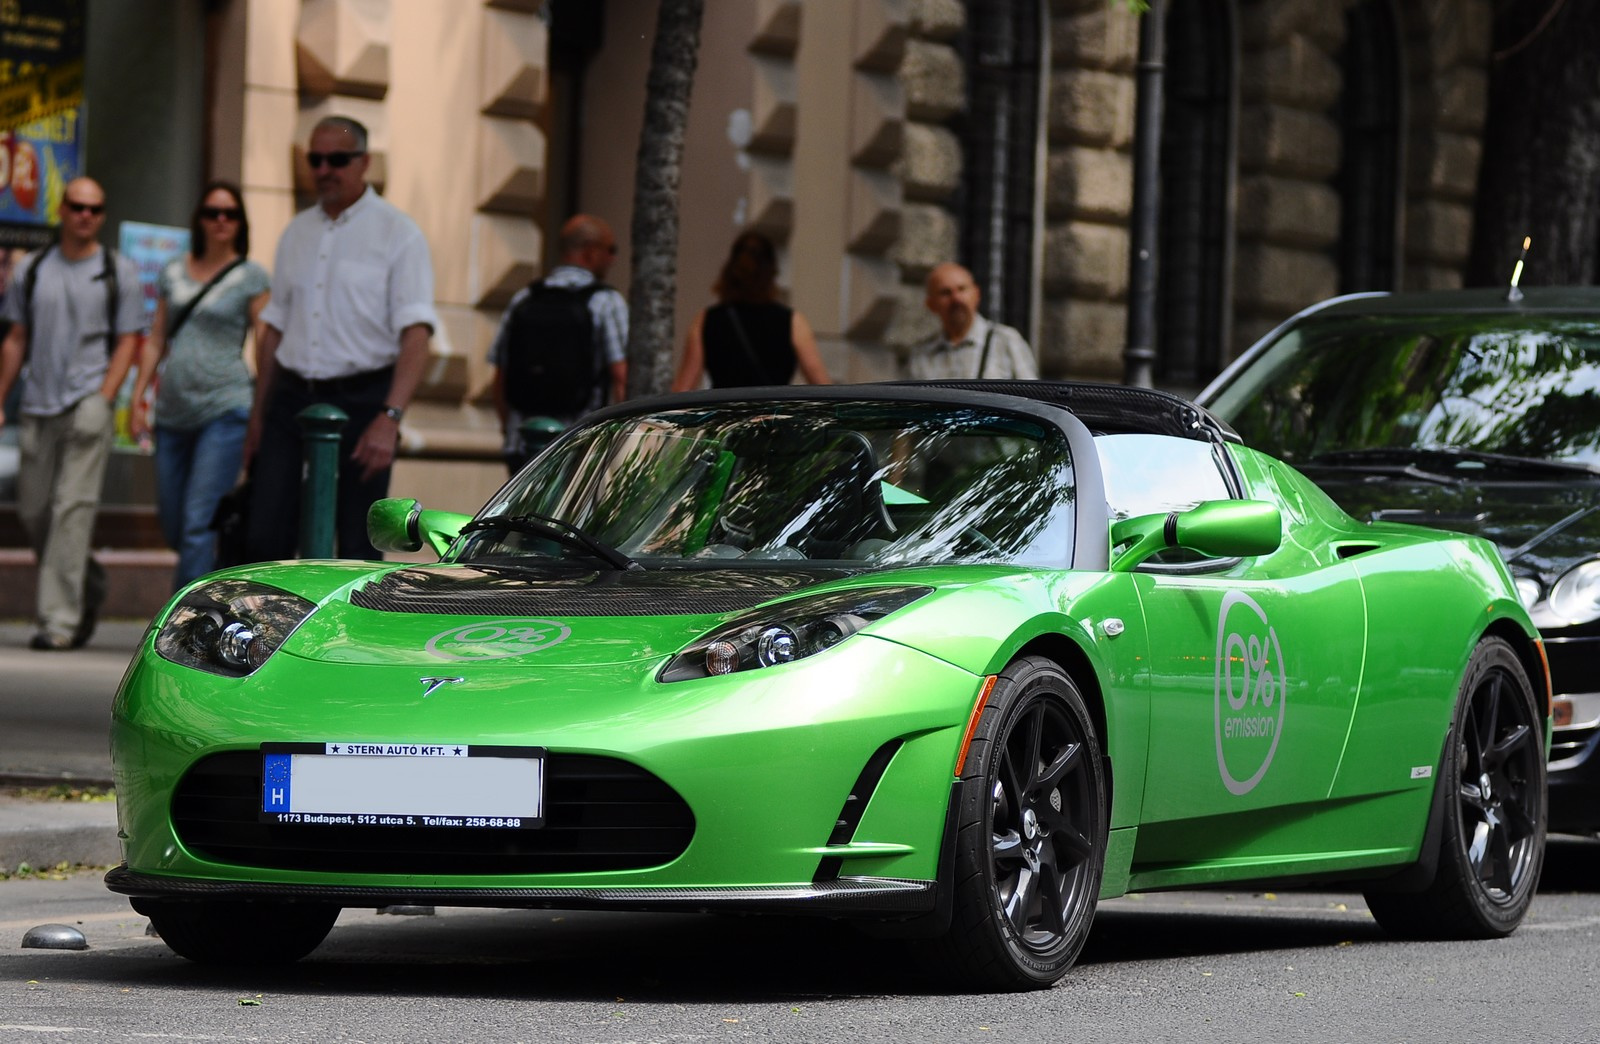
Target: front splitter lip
[861,896]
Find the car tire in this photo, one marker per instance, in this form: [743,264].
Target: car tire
[1030,833]
[238,933]
[1491,841]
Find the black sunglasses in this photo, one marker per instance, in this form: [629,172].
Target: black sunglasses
[220,213]
[336,160]
[84,208]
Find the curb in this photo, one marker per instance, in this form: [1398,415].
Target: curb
[43,833]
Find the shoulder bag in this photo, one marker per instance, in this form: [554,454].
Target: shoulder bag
[183,313]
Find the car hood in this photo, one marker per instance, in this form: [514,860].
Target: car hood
[1541,528]
[443,615]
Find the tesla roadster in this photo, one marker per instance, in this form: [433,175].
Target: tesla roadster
[956,659]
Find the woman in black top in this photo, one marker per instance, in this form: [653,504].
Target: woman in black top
[749,338]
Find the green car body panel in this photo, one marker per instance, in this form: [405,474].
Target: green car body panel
[1269,717]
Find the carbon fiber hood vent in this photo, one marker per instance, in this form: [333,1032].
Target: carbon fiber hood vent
[487,591]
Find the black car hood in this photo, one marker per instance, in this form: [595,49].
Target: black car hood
[1541,528]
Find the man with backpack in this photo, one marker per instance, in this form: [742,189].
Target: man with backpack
[561,347]
[76,315]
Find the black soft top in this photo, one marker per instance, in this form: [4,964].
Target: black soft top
[1104,409]
[1107,409]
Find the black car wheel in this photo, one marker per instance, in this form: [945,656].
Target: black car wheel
[1492,838]
[239,933]
[1030,841]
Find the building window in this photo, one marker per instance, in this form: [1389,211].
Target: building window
[1370,118]
[1003,47]
[1195,252]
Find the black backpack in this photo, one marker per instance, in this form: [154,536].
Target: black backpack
[552,365]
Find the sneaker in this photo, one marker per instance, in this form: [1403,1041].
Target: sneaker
[47,642]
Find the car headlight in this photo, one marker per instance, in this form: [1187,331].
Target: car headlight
[784,633]
[1575,598]
[230,627]
[1527,591]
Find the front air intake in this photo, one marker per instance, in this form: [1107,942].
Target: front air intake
[600,814]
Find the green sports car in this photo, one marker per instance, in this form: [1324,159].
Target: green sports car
[955,659]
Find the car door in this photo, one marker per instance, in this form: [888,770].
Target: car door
[1255,664]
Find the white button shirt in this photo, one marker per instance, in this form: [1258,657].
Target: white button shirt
[936,359]
[343,288]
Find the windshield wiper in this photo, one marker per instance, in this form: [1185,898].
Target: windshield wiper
[557,530]
[1385,462]
[1459,458]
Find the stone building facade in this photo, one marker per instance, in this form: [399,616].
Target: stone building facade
[846,129]
[1310,147]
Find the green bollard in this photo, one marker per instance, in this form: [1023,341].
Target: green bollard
[539,432]
[320,426]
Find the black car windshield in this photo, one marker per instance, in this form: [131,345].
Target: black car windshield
[1357,391]
[872,482]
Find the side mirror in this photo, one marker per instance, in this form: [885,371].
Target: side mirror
[400,524]
[1216,529]
[392,524]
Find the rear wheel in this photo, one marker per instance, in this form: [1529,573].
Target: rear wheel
[1491,846]
[1030,840]
[239,933]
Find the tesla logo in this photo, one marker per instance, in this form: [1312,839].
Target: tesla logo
[430,684]
[1251,691]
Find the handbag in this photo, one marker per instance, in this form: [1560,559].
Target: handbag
[231,522]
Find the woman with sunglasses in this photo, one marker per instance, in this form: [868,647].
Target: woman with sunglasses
[209,300]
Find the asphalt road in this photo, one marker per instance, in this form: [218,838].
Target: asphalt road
[1190,966]
[55,707]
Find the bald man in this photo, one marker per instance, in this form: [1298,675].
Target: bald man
[561,350]
[76,315]
[967,345]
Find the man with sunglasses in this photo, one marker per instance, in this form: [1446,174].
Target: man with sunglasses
[76,315]
[347,325]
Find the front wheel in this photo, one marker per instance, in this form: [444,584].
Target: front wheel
[239,933]
[1491,847]
[1031,830]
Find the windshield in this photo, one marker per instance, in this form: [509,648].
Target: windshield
[1518,386]
[880,483]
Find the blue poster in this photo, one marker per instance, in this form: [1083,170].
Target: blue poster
[150,247]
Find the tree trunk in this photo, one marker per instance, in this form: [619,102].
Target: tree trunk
[653,238]
[1541,155]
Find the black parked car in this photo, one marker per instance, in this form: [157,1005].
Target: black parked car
[1471,410]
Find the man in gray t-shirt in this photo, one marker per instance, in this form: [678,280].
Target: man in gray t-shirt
[76,314]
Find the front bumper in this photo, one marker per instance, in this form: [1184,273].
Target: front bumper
[1574,786]
[843,896]
[765,761]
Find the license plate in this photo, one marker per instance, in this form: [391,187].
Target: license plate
[402,785]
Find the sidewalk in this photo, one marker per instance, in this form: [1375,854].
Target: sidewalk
[55,715]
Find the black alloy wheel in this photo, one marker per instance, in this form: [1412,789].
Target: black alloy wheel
[1492,842]
[1030,847]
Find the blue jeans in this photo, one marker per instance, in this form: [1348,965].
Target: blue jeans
[193,470]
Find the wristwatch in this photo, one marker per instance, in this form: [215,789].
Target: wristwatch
[394,413]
